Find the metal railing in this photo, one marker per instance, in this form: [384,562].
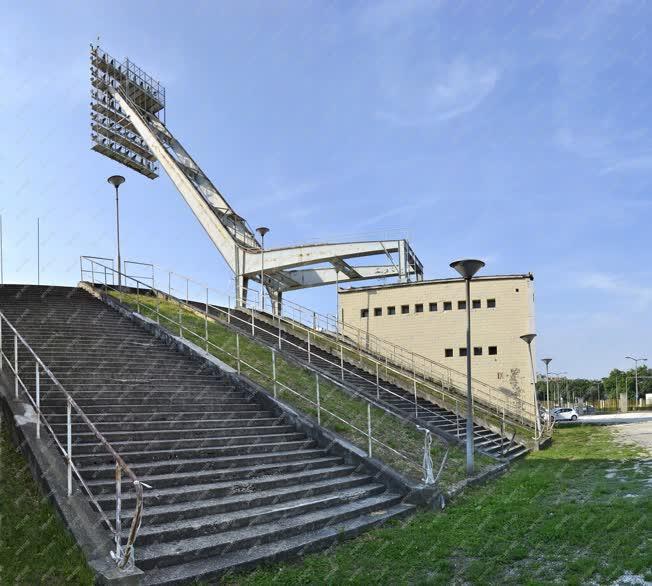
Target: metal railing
[123,555]
[147,303]
[401,362]
[447,389]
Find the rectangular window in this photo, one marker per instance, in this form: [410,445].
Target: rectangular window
[391,310]
[364,312]
[448,305]
[477,351]
[448,353]
[477,304]
[418,308]
[405,309]
[378,311]
[463,351]
[461,305]
[493,350]
[491,303]
[432,307]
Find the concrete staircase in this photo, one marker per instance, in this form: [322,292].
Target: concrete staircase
[233,484]
[429,413]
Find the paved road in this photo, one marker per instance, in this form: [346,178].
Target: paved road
[615,418]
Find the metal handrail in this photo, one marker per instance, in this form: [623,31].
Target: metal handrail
[492,402]
[123,556]
[412,373]
[240,362]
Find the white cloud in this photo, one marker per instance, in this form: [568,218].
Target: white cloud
[619,286]
[380,16]
[454,89]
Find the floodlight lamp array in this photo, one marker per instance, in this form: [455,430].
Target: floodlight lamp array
[112,134]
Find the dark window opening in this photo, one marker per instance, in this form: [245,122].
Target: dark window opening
[391,310]
[448,353]
[493,350]
[517,289]
[463,351]
[418,308]
[477,304]
[448,305]
[432,307]
[378,311]
[461,305]
[491,303]
[405,309]
[477,351]
[364,312]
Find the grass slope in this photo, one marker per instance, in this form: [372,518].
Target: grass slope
[579,512]
[388,429]
[35,548]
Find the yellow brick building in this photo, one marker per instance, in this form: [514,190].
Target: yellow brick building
[429,318]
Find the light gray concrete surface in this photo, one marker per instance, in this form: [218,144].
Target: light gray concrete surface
[640,433]
[616,418]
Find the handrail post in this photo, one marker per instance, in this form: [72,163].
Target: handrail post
[377,382]
[280,337]
[118,511]
[38,401]
[180,322]
[274,370]
[318,398]
[308,346]
[342,360]
[416,403]
[16,364]
[253,323]
[369,429]
[206,320]
[237,351]
[138,296]
[158,308]
[69,443]
[314,320]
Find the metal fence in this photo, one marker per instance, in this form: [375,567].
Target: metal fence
[28,381]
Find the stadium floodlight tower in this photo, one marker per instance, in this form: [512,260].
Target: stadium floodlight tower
[128,125]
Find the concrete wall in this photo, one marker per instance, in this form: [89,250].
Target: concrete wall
[431,332]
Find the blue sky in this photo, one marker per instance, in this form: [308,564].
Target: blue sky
[516,132]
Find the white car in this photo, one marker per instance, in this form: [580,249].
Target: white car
[564,414]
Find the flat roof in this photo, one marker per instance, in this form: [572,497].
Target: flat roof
[528,276]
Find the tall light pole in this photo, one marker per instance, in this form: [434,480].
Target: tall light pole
[547,361]
[117,181]
[636,361]
[528,338]
[262,230]
[467,268]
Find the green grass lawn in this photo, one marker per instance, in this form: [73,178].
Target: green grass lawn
[34,546]
[579,512]
[387,428]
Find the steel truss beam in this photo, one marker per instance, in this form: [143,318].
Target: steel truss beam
[285,269]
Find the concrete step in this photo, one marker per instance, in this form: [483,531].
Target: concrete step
[177,435]
[186,550]
[161,416]
[223,522]
[190,440]
[235,450]
[163,427]
[162,465]
[195,492]
[178,478]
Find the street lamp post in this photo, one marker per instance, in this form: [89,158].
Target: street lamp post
[262,230]
[117,181]
[636,361]
[528,338]
[547,361]
[467,268]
